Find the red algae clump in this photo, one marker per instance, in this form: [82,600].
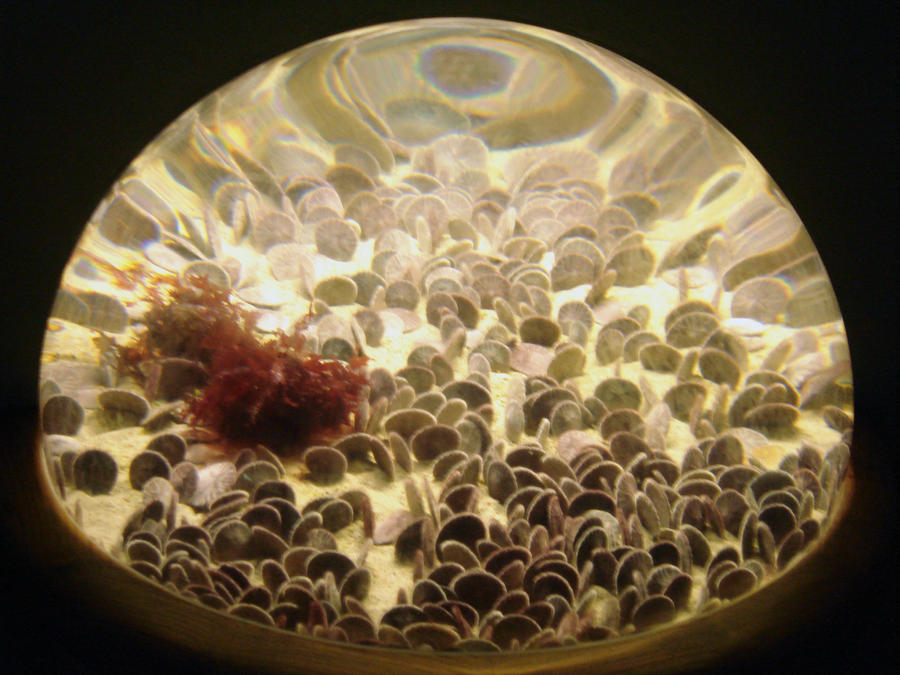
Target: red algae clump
[276,394]
[182,316]
[272,392]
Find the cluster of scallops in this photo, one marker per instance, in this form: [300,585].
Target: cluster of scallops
[589,408]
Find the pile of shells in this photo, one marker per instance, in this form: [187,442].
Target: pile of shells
[607,391]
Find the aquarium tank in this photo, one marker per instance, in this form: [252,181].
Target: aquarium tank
[451,334]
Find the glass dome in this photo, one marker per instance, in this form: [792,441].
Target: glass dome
[451,333]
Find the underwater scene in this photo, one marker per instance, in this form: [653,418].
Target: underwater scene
[457,335]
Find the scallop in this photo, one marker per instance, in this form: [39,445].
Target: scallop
[683,397]
[129,408]
[763,299]
[212,272]
[336,514]
[633,265]
[479,589]
[655,610]
[367,283]
[575,311]
[474,394]
[568,362]
[325,464]
[539,330]
[538,406]
[62,414]
[336,239]
[95,472]
[691,329]
[407,421]
[635,342]
[273,228]
[689,251]
[401,294]
[491,287]
[769,417]
[372,326]
[717,366]
[467,310]
[437,305]
[431,441]
[616,392]
[127,224]
[565,416]
[147,465]
[530,359]
[735,583]
[497,354]
[731,344]
[289,261]
[420,379]
[659,357]
[254,473]
[336,291]
[727,450]
[571,270]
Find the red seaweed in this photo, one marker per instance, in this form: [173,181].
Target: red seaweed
[181,316]
[272,392]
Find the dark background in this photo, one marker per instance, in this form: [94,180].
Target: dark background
[809,88]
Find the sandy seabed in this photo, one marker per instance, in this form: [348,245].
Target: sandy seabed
[103,516]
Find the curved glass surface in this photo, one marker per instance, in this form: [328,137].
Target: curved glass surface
[455,333]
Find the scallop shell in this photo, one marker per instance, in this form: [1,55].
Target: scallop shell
[569,362]
[539,330]
[431,441]
[336,291]
[62,414]
[762,299]
[95,472]
[325,464]
[659,357]
[633,265]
